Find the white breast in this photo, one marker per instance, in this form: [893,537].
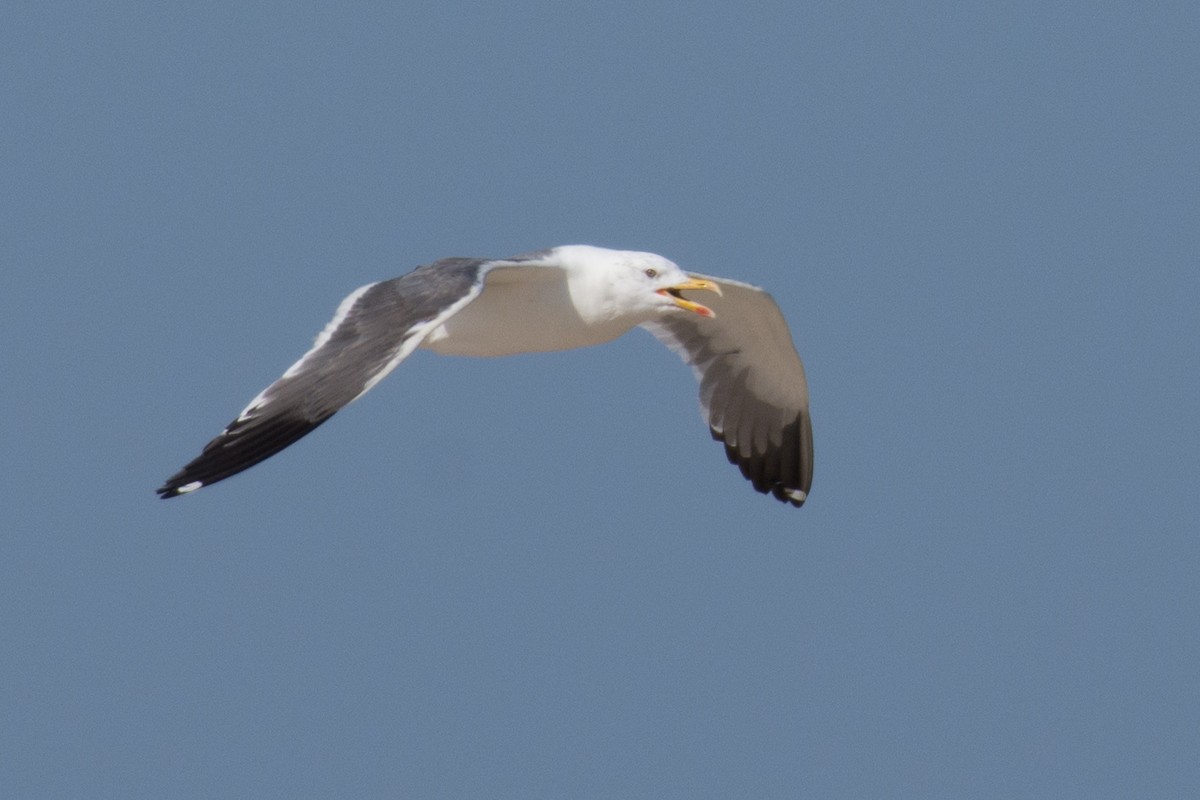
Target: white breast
[521,310]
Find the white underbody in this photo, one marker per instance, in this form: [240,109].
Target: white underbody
[522,310]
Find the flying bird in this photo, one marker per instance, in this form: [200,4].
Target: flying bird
[753,393]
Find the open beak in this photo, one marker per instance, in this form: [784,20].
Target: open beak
[696,284]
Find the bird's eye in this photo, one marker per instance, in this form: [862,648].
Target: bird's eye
[651,272]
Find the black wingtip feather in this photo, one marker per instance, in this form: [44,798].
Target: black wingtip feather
[784,470]
[240,447]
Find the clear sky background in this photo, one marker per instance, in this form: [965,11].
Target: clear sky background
[537,576]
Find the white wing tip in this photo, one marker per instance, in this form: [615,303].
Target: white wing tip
[189,487]
[797,495]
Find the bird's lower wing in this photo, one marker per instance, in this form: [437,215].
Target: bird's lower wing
[753,391]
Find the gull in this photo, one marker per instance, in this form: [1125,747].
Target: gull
[753,392]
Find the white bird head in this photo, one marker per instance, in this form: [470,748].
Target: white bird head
[630,284]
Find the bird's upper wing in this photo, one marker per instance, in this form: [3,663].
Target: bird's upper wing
[373,330]
[753,392]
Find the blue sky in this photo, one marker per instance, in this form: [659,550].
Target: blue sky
[537,576]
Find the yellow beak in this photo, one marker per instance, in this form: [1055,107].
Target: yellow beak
[696,284]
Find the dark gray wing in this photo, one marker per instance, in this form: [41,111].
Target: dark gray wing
[753,392]
[373,330]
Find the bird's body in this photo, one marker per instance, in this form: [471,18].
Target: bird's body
[752,386]
[536,309]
